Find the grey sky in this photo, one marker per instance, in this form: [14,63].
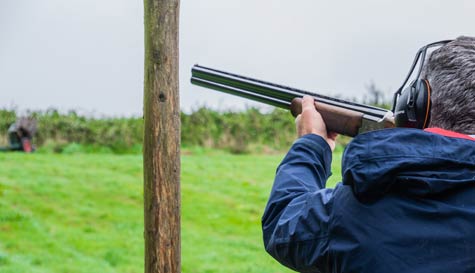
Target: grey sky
[88,54]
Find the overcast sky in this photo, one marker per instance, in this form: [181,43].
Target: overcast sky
[87,55]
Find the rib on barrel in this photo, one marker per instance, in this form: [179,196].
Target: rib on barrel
[341,116]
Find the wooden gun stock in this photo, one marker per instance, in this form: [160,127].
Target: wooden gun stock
[337,119]
[340,116]
[340,120]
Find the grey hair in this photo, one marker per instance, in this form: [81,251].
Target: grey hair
[451,73]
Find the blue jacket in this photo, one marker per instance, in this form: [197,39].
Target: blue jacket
[406,204]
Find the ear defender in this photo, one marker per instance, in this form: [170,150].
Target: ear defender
[413,105]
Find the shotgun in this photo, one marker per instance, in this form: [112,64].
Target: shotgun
[340,116]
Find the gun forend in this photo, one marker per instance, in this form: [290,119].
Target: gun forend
[341,116]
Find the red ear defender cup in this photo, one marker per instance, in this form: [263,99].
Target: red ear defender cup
[413,105]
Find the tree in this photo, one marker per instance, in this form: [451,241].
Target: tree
[375,96]
[161,153]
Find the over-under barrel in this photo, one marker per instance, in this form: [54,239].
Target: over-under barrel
[341,116]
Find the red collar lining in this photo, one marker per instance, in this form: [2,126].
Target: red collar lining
[448,133]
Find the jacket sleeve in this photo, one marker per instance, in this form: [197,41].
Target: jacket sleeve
[296,218]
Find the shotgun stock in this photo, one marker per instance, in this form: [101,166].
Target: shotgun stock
[340,116]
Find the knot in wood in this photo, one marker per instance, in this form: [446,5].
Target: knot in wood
[162,97]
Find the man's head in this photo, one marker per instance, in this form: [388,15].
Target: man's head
[451,74]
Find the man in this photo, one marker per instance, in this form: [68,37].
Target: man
[407,200]
[20,135]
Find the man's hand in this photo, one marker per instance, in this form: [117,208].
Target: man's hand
[311,122]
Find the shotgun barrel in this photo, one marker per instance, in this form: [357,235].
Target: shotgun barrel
[341,116]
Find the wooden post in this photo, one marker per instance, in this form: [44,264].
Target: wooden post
[161,155]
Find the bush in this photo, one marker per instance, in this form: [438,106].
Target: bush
[237,132]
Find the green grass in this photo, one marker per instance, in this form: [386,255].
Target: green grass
[83,213]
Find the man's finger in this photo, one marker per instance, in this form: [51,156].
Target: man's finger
[298,116]
[307,103]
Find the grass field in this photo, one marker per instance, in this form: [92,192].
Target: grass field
[83,212]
